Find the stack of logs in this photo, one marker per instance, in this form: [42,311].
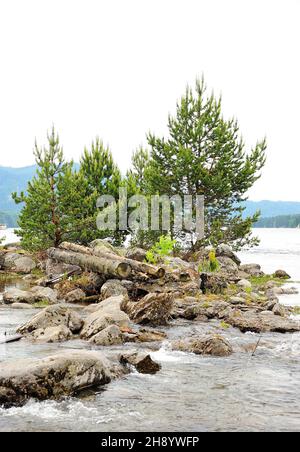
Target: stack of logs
[107,263]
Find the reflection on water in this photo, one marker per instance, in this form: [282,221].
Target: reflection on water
[191,393]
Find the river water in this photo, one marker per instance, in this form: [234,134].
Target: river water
[191,393]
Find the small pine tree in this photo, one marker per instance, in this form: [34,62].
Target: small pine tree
[48,217]
[102,177]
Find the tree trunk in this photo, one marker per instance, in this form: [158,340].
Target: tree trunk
[139,267]
[108,267]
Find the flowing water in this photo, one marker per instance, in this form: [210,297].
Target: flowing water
[191,393]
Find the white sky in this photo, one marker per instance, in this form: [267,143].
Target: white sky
[115,68]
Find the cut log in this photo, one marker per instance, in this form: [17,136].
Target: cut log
[108,267]
[140,267]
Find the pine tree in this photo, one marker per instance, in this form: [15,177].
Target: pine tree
[205,155]
[48,216]
[102,177]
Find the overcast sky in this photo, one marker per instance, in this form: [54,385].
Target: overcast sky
[115,68]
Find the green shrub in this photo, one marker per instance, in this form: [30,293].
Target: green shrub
[163,248]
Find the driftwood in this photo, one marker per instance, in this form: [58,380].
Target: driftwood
[139,267]
[108,267]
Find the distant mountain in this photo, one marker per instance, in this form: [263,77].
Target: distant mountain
[272,208]
[282,221]
[13,179]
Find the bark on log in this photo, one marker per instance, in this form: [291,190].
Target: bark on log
[139,267]
[108,267]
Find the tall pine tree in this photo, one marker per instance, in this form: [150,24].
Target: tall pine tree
[205,155]
[53,200]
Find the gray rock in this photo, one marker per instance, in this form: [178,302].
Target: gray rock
[53,316]
[142,362]
[282,274]
[252,270]
[237,300]
[44,294]
[34,295]
[261,322]
[113,288]
[54,377]
[74,296]
[51,334]
[8,260]
[209,310]
[226,251]
[13,295]
[244,284]
[154,309]
[207,345]
[24,265]
[227,264]
[280,310]
[111,335]
[285,291]
[137,254]
[107,313]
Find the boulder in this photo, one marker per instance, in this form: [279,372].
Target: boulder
[285,291]
[36,294]
[237,300]
[111,335]
[142,362]
[74,296]
[282,274]
[53,316]
[207,345]
[113,288]
[154,309]
[14,295]
[280,310]
[208,310]
[226,251]
[251,321]
[44,294]
[24,265]
[108,313]
[244,284]
[54,377]
[252,270]
[137,254]
[52,334]
[227,264]
[8,260]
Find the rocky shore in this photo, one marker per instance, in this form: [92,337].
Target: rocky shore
[110,298]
